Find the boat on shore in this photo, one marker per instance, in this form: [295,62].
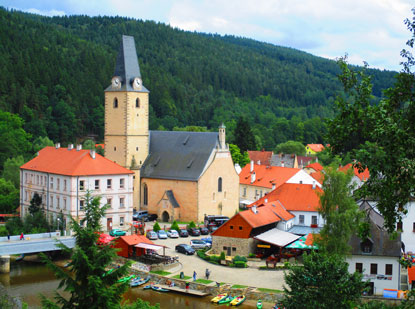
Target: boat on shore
[226,300]
[238,300]
[158,289]
[219,297]
[126,279]
[139,281]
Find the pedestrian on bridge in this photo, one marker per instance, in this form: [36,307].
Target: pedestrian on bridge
[8,236]
[22,236]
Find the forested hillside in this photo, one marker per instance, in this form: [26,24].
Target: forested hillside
[54,71]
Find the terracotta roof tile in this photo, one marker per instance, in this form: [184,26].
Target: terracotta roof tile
[362,176]
[136,239]
[319,176]
[316,147]
[263,156]
[266,176]
[294,197]
[73,163]
[264,216]
[315,166]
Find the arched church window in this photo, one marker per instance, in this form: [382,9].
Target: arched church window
[220,184]
[115,103]
[145,193]
[137,102]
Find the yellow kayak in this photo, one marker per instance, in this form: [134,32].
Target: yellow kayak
[219,298]
[238,300]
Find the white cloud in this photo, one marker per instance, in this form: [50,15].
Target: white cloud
[46,13]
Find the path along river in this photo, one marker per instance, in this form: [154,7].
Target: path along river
[28,279]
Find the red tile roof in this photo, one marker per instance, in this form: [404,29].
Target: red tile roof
[266,176]
[311,238]
[73,163]
[304,160]
[280,210]
[294,197]
[316,147]
[263,156]
[319,176]
[362,176]
[136,239]
[265,215]
[315,166]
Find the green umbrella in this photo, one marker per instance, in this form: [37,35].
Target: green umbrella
[300,244]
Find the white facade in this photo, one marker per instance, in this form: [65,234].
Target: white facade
[307,218]
[408,227]
[65,194]
[303,178]
[285,225]
[383,271]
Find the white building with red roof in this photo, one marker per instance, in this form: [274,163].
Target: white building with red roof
[62,176]
[257,180]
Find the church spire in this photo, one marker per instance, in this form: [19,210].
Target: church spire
[127,75]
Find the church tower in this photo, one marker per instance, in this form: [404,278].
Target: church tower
[126,114]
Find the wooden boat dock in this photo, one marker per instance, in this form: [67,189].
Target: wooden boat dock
[183,291]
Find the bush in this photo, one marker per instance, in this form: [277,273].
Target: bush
[201,254]
[191,225]
[251,255]
[156,227]
[175,226]
[222,256]
[3,231]
[240,264]
[215,258]
[240,258]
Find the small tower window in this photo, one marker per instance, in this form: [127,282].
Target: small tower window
[220,184]
[145,191]
[137,102]
[115,103]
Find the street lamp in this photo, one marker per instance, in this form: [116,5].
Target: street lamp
[59,220]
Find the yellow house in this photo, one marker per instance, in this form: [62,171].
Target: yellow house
[313,148]
[177,175]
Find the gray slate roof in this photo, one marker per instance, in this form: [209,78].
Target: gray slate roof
[303,230]
[178,155]
[279,159]
[127,65]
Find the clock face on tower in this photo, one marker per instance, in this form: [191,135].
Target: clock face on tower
[116,82]
[137,83]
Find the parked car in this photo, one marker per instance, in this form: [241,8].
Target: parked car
[117,232]
[183,233]
[207,240]
[204,231]
[150,217]
[199,244]
[162,234]
[194,231]
[186,249]
[173,234]
[152,235]
[138,215]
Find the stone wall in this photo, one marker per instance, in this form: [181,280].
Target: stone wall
[243,246]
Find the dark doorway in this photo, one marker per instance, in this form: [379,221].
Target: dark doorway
[228,251]
[165,216]
[109,224]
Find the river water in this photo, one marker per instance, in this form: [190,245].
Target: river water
[29,279]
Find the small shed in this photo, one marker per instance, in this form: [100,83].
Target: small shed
[126,244]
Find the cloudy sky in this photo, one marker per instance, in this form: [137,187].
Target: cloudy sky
[367,30]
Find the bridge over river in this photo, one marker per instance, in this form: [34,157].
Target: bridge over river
[29,245]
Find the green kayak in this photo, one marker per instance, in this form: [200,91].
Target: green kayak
[226,300]
[126,279]
[259,304]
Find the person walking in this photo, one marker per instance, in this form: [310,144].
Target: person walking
[194,276]
[22,236]
[187,287]
[207,273]
[8,236]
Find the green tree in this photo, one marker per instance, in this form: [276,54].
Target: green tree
[323,282]
[339,211]
[14,140]
[41,142]
[175,226]
[11,170]
[85,281]
[156,227]
[237,157]
[88,144]
[9,197]
[244,137]
[290,147]
[35,204]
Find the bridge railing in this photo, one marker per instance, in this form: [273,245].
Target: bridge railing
[32,236]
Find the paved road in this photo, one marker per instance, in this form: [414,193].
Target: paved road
[246,276]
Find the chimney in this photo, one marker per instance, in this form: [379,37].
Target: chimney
[266,200]
[78,147]
[58,145]
[258,162]
[254,210]
[252,166]
[274,186]
[253,176]
[282,164]
[92,154]
[222,136]
[314,184]
[70,146]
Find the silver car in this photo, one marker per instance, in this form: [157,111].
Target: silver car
[199,244]
[173,234]
[152,235]
[162,234]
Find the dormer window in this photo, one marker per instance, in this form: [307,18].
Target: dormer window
[366,246]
